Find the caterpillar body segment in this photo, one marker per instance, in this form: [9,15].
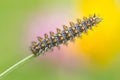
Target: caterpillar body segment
[65,35]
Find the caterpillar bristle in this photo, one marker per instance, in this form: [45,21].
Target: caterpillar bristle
[65,35]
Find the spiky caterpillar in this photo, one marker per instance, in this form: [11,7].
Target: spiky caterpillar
[62,37]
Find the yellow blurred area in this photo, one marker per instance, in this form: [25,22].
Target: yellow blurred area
[103,44]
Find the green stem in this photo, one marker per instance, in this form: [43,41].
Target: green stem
[15,65]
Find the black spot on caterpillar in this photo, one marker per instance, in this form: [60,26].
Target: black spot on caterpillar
[65,35]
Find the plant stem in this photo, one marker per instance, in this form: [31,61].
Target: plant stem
[15,65]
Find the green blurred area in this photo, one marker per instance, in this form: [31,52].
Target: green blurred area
[13,15]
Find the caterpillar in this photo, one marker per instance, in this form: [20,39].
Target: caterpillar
[65,35]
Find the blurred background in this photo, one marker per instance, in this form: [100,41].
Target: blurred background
[94,57]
